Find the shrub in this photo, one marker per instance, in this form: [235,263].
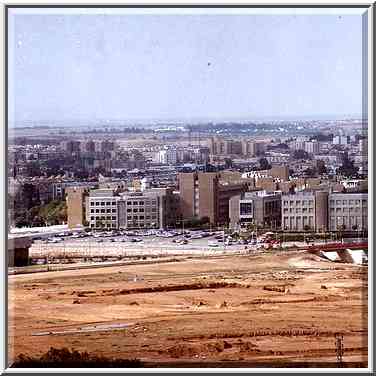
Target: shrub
[65,358]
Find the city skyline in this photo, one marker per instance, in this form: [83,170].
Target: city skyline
[95,66]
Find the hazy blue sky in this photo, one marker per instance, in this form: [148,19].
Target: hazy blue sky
[94,66]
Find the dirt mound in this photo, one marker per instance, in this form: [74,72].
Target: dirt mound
[283,288]
[190,350]
[223,304]
[168,288]
[306,260]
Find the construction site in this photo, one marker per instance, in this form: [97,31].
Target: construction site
[269,308]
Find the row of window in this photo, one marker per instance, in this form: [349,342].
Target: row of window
[102,203]
[298,210]
[108,218]
[108,203]
[147,202]
[348,202]
[140,217]
[298,202]
[103,211]
[141,210]
[113,225]
[346,209]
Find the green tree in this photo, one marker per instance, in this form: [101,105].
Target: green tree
[264,164]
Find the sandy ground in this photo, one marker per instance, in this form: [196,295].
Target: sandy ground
[252,309]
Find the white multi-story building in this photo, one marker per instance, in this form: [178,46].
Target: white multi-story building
[167,156]
[312,147]
[340,140]
[348,211]
[151,208]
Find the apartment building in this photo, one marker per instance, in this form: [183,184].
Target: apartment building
[348,211]
[312,147]
[305,211]
[167,156]
[259,208]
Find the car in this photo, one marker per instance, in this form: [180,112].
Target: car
[213,244]
[136,240]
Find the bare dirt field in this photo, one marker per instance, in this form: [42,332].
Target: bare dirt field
[280,309]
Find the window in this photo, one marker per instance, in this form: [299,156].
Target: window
[102,203]
[97,210]
[285,202]
[344,202]
[135,210]
[129,202]
[108,203]
[364,201]
[142,210]
[92,203]
[103,210]
[135,217]
[297,202]
[311,210]
[97,203]
[357,202]
[154,202]
[92,218]
[142,217]
[129,210]
[135,202]
[304,202]
[331,202]
[147,217]
[154,210]
[245,208]
[114,218]
[92,210]
[114,210]
[141,203]
[338,202]
[129,217]
[351,202]
[108,210]
[113,203]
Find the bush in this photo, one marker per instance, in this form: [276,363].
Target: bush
[72,359]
